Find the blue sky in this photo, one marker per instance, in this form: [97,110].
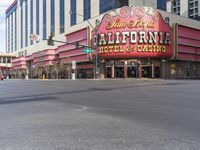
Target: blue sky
[4,4]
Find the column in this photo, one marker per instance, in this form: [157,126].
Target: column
[125,69]
[94,10]
[164,70]
[153,70]
[140,70]
[113,69]
[79,10]
[102,70]
[67,15]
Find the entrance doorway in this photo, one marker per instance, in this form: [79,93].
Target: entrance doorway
[146,71]
[133,70]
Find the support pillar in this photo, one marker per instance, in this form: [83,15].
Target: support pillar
[102,70]
[125,69]
[113,70]
[153,71]
[140,71]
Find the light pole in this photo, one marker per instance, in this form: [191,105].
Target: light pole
[95,43]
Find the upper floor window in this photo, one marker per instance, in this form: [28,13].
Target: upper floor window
[62,16]
[44,20]
[52,16]
[38,17]
[73,12]
[161,4]
[106,5]
[31,19]
[87,8]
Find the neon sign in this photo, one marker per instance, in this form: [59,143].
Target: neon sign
[136,32]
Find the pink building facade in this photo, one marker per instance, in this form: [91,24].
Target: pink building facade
[135,43]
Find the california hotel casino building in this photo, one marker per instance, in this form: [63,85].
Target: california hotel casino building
[129,40]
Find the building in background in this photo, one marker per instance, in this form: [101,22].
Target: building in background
[5,64]
[29,23]
[156,4]
[186,8]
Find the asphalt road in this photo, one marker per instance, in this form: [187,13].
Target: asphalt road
[100,115]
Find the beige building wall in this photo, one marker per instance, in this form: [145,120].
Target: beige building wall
[184,8]
[67,15]
[79,11]
[57,18]
[94,10]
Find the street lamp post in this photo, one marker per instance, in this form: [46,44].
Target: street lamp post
[95,43]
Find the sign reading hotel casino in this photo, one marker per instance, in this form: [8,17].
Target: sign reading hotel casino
[137,32]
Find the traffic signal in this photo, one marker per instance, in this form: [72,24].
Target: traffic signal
[50,40]
[77,45]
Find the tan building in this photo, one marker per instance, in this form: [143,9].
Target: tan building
[185,8]
[5,64]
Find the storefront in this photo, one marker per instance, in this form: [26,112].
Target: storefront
[131,42]
[137,42]
[74,52]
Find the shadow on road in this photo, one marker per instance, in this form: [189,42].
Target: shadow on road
[51,96]
[26,99]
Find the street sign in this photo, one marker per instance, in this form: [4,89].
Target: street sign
[87,50]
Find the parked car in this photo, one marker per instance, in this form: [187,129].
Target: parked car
[1,77]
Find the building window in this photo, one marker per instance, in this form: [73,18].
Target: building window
[87,8]
[15,30]
[107,7]
[196,3]
[161,4]
[196,10]
[4,59]
[22,26]
[73,14]
[8,34]
[176,7]
[112,4]
[38,17]
[26,23]
[62,16]
[31,19]
[11,33]
[8,60]
[44,20]
[52,16]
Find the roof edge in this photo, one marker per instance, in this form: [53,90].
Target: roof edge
[13,3]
